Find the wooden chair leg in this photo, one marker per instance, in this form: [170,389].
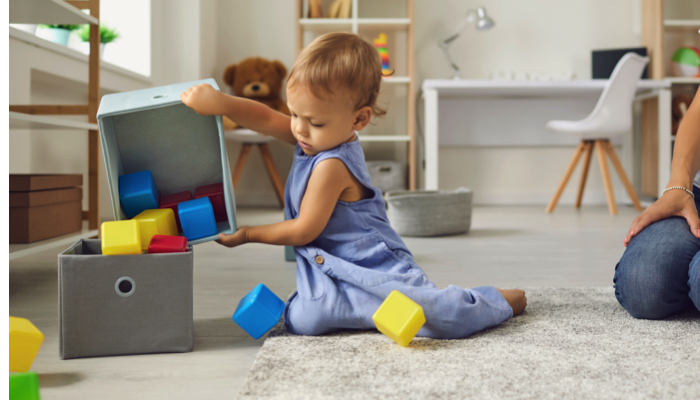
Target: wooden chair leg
[623,176]
[569,170]
[601,148]
[272,171]
[240,163]
[584,171]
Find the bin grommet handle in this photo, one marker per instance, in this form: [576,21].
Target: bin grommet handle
[159,96]
[125,286]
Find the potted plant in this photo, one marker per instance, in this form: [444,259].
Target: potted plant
[107,35]
[58,33]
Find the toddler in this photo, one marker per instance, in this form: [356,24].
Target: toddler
[348,256]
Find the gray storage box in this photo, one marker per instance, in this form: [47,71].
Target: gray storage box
[430,213]
[387,175]
[124,304]
[151,129]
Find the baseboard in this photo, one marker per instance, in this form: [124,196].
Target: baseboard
[542,199]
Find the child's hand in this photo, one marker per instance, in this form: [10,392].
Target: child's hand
[204,99]
[235,239]
[515,298]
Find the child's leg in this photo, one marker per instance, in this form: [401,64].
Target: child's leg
[694,280]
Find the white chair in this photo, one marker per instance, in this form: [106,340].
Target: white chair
[249,138]
[612,116]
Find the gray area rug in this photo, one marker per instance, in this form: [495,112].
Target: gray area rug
[570,343]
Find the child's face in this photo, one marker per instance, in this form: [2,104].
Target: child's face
[322,124]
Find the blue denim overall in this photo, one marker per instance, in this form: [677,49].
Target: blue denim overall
[345,274]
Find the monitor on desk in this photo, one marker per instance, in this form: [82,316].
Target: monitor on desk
[604,61]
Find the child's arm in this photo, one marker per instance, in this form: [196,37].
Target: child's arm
[206,100]
[327,183]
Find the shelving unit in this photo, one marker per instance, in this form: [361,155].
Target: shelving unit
[35,116]
[665,27]
[396,20]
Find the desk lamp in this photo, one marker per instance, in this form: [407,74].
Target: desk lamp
[483,23]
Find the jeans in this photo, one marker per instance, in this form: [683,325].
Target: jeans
[659,273]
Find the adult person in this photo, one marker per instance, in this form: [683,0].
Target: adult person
[659,273]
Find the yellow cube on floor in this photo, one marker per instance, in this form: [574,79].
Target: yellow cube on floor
[399,317]
[121,237]
[25,340]
[156,222]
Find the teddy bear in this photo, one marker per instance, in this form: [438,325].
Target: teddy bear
[257,79]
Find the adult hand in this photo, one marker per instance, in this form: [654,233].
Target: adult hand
[235,239]
[204,99]
[674,203]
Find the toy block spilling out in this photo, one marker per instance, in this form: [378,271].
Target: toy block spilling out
[24,386]
[167,244]
[172,200]
[259,311]
[215,192]
[197,218]
[121,237]
[399,317]
[25,341]
[160,221]
[138,192]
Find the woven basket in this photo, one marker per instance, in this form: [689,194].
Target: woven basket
[430,213]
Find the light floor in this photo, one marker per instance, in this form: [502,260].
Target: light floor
[507,247]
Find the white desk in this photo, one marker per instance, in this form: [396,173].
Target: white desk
[525,90]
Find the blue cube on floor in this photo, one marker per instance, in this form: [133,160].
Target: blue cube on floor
[258,311]
[197,218]
[138,192]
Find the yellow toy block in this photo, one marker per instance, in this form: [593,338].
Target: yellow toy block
[25,340]
[156,222]
[399,317]
[121,237]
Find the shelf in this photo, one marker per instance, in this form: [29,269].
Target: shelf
[326,24]
[397,79]
[682,25]
[47,12]
[387,138]
[384,22]
[23,250]
[691,81]
[29,121]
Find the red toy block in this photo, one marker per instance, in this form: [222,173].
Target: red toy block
[167,244]
[172,200]
[215,192]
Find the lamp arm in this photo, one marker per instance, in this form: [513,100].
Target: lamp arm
[445,44]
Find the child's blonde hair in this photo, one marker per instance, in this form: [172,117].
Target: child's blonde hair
[340,61]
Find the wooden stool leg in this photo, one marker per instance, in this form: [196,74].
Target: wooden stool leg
[569,170]
[584,171]
[240,163]
[272,171]
[601,148]
[623,176]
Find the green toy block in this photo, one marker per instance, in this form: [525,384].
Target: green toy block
[24,386]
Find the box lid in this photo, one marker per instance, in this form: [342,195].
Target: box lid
[45,197]
[30,182]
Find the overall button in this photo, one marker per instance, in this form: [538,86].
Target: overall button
[319,259]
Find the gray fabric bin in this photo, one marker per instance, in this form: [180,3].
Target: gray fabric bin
[430,213]
[123,304]
[387,175]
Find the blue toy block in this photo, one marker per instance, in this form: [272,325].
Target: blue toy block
[138,192]
[259,311]
[197,218]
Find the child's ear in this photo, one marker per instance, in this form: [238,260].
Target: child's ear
[362,118]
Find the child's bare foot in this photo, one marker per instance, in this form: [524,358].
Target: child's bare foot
[515,298]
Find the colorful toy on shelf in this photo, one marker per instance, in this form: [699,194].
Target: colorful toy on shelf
[24,386]
[121,237]
[172,200]
[685,62]
[380,44]
[137,192]
[25,341]
[167,244]
[259,311]
[160,221]
[215,192]
[197,218]
[399,317]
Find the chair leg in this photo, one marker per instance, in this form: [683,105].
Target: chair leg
[623,176]
[569,170]
[240,163]
[272,171]
[605,172]
[584,171]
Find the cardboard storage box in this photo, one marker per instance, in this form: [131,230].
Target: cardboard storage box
[125,304]
[43,206]
[152,129]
